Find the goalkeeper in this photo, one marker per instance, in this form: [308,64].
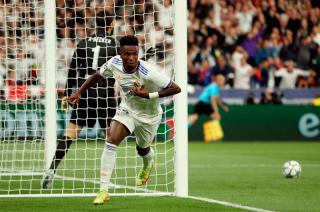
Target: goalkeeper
[209,101]
[98,103]
[139,112]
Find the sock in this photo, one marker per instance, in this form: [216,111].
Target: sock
[108,160]
[148,158]
[62,149]
[147,155]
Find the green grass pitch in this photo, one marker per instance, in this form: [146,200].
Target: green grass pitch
[246,173]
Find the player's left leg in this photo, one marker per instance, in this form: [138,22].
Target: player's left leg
[147,155]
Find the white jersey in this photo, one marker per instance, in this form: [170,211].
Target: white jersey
[242,76]
[152,80]
[289,79]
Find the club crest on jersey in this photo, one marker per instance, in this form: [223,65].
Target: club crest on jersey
[121,111]
[136,83]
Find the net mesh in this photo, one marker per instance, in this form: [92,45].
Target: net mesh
[22,86]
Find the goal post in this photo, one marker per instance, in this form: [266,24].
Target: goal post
[50,82]
[39,39]
[181,100]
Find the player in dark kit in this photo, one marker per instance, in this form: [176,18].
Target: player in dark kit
[98,103]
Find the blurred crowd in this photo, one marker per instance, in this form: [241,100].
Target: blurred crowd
[22,67]
[254,43]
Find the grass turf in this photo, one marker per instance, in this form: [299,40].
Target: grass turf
[247,173]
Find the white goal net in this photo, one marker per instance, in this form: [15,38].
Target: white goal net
[23,89]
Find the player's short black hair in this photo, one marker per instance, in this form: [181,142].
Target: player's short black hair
[104,18]
[129,40]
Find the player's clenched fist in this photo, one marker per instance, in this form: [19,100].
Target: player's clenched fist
[139,90]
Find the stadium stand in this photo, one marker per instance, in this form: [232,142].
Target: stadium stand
[75,20]
[258,40]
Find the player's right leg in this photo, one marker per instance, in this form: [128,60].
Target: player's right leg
[63,146]
[118,132]
[145,132]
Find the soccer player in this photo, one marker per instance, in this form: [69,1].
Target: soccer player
[209,101]
[139,112]
[98,103]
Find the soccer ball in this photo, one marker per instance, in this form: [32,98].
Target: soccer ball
[291,169]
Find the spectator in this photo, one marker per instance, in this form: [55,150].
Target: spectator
[156,35]
[316,63]
[267,30]
[315,34]
[245,16]
[288,51]
[205,69]
[283,23]
[272,20]
[242,74]
[250,44]
[294,22]
[16,90]
[21,49]
[237,55]
[261,76]
[165,14]
[290,74]
[220,68]
[275,42]
[264,52]
[304,53]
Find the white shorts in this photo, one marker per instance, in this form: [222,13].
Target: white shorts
[144,129]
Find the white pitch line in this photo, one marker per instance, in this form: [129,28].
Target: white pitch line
[250,165]
[229,204]
[157,193]
[111,184]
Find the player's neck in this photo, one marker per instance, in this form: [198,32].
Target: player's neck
[133,71]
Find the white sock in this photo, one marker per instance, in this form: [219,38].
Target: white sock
[108,160]
[148,158]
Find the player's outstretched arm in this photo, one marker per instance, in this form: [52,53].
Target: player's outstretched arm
[93,79]
[223,105]
[172,89]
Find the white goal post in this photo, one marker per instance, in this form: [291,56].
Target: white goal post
[50,73]
[32,72]
[181,101]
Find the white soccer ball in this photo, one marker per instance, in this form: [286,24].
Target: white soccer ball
[291,169]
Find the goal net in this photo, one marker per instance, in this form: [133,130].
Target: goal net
[25,146]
